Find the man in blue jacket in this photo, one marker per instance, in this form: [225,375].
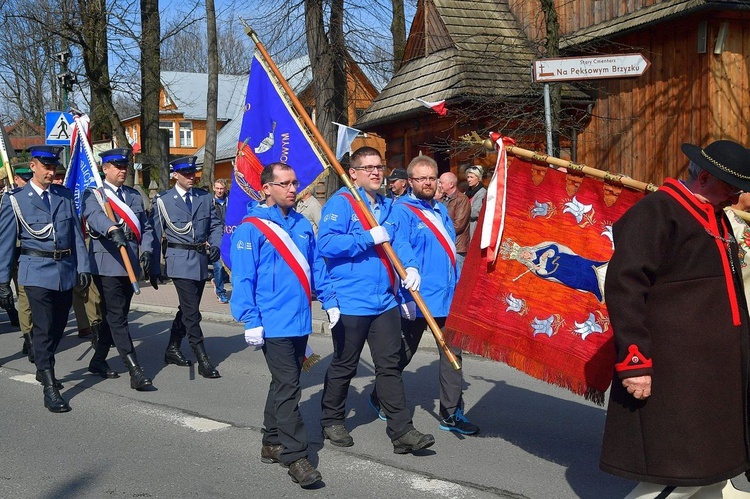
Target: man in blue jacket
[185,217]
[365,284]
[52,260]
[275,266]
[432,240]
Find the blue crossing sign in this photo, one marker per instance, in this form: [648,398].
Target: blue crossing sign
[59,128]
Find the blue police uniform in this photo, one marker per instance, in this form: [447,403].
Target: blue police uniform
[53,259]
[109,271]
[190,231]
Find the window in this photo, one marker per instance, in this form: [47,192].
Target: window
[168,125]
[186,134]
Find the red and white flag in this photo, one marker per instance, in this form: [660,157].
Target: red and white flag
[494,208]
[438,107]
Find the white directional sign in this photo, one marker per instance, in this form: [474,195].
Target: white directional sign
[59,128]
[590,68]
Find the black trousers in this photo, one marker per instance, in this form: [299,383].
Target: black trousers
[383,334]
[188,318]
[282,421]
[50,309]
[116,293]
[451,381]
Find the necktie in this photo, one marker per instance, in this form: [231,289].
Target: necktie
[188,201]
[45,198]
[120,195]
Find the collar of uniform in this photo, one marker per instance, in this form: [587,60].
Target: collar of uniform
[111,186]
[38,189]
[431,203]
[182,191]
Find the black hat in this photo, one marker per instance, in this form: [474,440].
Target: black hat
[60,170]
[398,174]
[183,165]
[117,156]
[724,159]
[49,155]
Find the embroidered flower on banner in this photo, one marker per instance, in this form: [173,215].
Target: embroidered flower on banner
[542,210]
[579,210]
[608,234]
[517,305]
[598,323]
[548,326]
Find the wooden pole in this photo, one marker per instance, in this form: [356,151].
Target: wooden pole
[6,160]
[437,333]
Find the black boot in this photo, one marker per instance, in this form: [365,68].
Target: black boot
[173,355]
[28,347]
[138,380]
[52,398]
[205,368]
[98,364]
[95,335]
[58,385]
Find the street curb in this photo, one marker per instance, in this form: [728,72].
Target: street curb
[318,326]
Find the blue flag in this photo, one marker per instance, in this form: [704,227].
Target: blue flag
[270,133]
[81,173]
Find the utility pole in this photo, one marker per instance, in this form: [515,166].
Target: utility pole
[66,80]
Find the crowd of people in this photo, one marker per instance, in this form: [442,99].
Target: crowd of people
[677,419]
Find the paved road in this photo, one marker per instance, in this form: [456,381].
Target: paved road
[194,437]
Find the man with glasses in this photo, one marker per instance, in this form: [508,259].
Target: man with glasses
[365,284]
[432,243]
[677,417]
[186,218]
[275,267]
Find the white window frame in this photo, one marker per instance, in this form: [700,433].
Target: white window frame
[168,125]
[186,134]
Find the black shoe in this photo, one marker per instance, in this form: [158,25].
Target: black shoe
[205,368]
[338,435]
[271,454]
[173,355]
[411,441]
[57,383]
[138,380]
[303,473]
[98,364]
[458,423]
[52,398]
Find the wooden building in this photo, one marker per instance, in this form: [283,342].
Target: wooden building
[696,89]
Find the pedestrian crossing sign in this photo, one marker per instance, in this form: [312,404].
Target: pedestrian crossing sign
[59,128]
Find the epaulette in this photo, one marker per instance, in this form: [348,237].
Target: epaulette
[200,190]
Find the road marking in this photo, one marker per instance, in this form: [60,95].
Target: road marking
[26,378]
[201,425]
[438,487]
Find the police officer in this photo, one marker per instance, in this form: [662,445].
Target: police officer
[52,260]
[107,237]
[186,219]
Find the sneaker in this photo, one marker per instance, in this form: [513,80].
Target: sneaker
[411,441]
[303,473]
[222,297]
[271,454]
[375,404]
[338,435]
[457,422]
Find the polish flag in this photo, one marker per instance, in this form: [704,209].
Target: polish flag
[438,107]
[494,208]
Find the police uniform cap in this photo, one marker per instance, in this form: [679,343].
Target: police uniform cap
[183,165]
[118,156]
[49,155]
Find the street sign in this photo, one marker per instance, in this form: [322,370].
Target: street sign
[59,128]
[590,68]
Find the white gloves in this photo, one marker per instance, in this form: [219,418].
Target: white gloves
[379,234]
[412,279]
[254,336]
[334,314]
[409,310]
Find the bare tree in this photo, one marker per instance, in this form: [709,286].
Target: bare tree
[151,155]
[398,33]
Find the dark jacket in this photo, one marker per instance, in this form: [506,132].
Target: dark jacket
[678,313]
[459,209]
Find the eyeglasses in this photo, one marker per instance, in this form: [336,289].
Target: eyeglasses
[286,185]
[369,168]
[422,180]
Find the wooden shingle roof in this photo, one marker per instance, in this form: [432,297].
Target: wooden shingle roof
[456,49]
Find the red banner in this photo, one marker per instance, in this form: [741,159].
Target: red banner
[540,307]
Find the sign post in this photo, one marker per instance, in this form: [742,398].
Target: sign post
[59,128]
[583,68]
